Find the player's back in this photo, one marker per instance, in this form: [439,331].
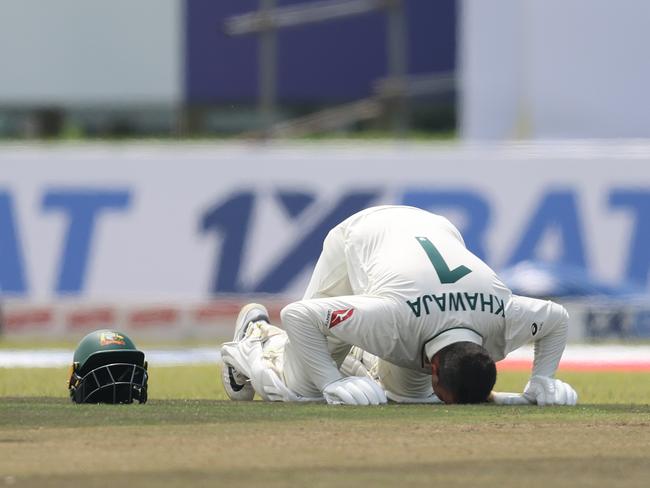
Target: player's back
[419,263]
[405,251]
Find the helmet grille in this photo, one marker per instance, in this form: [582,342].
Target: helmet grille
[112,383]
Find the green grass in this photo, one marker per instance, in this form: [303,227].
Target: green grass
[202,382]
[188,434]
[38,412]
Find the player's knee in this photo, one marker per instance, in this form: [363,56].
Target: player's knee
[288,312]
[292,314]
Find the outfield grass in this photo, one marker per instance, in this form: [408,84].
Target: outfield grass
[202,382]
[189,435]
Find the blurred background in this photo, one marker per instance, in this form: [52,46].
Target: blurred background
[165,161]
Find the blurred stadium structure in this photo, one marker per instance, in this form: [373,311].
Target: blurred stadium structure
[489,69]
[549,167]
[207,67]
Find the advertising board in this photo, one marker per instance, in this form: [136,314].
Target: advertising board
[190,223]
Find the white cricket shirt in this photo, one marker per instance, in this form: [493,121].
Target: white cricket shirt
[406,286]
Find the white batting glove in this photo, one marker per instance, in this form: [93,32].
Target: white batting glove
[351,366]
[354,390]
[504,398]
[548,391]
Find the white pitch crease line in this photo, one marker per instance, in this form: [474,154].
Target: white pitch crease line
[605,353]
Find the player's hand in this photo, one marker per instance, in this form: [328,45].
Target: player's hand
[503,398]
[548,391]
[354,390]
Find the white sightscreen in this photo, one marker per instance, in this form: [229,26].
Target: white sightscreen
[76,52]
[554,69]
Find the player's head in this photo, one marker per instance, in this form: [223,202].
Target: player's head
[463,372]
[107,368]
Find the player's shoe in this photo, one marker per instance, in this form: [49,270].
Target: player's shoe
[237,386]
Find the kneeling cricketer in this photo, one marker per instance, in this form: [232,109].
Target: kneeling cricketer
[397,309]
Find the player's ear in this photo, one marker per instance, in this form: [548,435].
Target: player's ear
[435,364]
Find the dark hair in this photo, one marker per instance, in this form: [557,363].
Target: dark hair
[467,372]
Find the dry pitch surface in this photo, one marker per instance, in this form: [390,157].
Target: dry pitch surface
[189,435]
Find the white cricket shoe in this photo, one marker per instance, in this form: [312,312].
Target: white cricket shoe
[237,386]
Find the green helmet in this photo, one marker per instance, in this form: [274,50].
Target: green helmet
[108,368]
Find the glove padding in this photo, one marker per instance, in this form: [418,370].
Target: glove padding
[504,398]
[354,390]
[549,391]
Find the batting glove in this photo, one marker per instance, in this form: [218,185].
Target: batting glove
[504,398]
[354,390]
[548,391]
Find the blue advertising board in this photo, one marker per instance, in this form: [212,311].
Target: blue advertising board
[197,221]
[328,62]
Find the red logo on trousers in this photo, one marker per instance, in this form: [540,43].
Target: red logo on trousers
[339,316]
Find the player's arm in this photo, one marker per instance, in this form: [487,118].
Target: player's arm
[505,398]
[303,322]
[550,340]
[543,388]
[547,324]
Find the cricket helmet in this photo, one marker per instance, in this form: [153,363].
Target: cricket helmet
[108,368]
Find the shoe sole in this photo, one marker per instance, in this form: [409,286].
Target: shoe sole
[234,390]
[240,328]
